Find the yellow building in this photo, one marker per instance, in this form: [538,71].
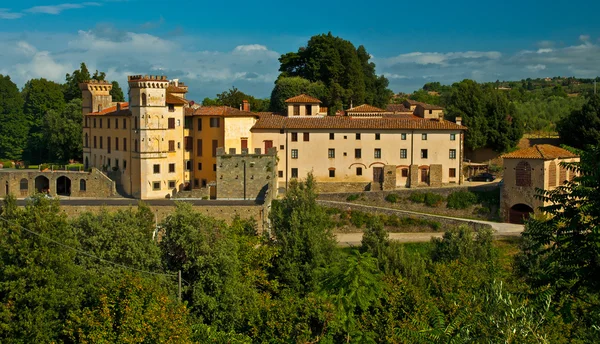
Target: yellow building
[157,144]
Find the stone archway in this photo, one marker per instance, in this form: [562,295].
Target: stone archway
[518,213]
[63,186]
[42,184]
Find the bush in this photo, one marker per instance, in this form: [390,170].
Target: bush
[461,200]
[433,200]
[352,197]
[392,198]
[417,197]
[463,244]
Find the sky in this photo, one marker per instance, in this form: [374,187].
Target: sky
[214,45]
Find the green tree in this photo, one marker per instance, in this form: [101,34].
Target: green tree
[303,236]
[62,133]
[116,92]
[287,87]
[13,131]
[466,100]
[582,127]
[71,88]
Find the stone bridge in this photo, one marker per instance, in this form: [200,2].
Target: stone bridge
[24,183]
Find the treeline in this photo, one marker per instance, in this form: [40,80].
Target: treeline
[240,287]
[42,122]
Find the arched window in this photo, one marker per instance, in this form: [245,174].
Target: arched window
[523,174]
[552,174]
[24,184]
[563,174]
[86,140]
[82,185]
[144,102]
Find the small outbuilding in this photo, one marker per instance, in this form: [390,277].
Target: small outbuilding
[528,169]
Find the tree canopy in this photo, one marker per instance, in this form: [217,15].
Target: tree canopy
[582,127]
[345,71]
[13,123]
[234,98]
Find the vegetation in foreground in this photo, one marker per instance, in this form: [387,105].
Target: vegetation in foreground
[239,287]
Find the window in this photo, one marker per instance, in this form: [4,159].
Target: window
[359,171]
[215,122]
[125,144]
[423,137]
[199,166]
[306,137]
[331,153]
[377,136]
[108,144]
[308,109]
[24,184]
[215,143]
[430,112]
[171,122]
[358,136]
[403,136]
[171,168]
[124,123]
[82,185]
[452,173]
[196,183]
[331,136]
[95,142]
[188,165]
[214,167]
[144,102]
[100,122]
[135,143]
[108,163]
[188,122]
[124,164]
[155,186]
[294,173]
[280,174]
[377,153]
[171,108]
[405,172]
[294,137]
[331,173]
[403,154]
[199,147]
[552,174]
[453,154]
[135,123]
[357,153]
[423,153]
[86,140]
[294,154]
[523,174]
[116,143]
[116,123]
[188,143]
[171,184]
[117,163]
[296,110]
[101,142]
[281,147]
[199,124]
[156,168]
[94,122]
[452,137]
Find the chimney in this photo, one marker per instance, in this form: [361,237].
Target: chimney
[458,120]
[441,116]
[246,106]
[118,106]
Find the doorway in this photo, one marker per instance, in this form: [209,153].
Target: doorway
[378,175]
[424,175]
[63,186]
[42,184]
[518,213]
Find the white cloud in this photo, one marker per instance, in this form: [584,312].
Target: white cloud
[435,58]
[584,38]
[57,9]
[5,13]
[544,50]
[536,68]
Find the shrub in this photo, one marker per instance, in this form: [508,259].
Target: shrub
[352,197]
[392,198]
[417,197]
[433,200]
[461,200]
[463,244]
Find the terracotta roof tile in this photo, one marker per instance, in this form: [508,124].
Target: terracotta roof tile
[224,111]
[112,111]
[397,108]
[172,99]
[344,122]
[175,89]
[544,152]
[430,106]
[365,108]
[303,98]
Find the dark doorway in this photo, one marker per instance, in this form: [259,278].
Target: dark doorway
[519,213]
[87,163]
[6,189]
[378,175]
[213,191]
[42,184]
[424,175]
[63,186]
[268,144]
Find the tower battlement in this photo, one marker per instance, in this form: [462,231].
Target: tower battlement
[95,85]
[148,81]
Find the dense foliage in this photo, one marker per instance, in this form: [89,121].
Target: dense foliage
[344,71]
[104,278]
[234,98]
[582,127]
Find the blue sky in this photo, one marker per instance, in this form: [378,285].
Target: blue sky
[213,45]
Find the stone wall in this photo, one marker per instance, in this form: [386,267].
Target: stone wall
[414,176]
[201,193]
[24,183]
[435,175]
[336,187]
[246,176]
[389,177]
[445,191]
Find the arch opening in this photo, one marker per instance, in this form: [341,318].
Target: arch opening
[42,184]
[63,186]
[518,213]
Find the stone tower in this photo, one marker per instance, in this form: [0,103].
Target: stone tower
[95,95]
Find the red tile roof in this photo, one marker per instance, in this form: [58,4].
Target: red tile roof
[224,111]
[172,99]
[345,122]
[175,89]
[544,152]
[112,111]
[365,108]
[397,108]
[430,106]
[303,98]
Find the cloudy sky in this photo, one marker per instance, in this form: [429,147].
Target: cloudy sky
[213,45]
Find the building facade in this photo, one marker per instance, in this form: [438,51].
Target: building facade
[526,171]
[158,144]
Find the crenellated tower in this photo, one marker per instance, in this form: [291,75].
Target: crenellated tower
[95,96]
